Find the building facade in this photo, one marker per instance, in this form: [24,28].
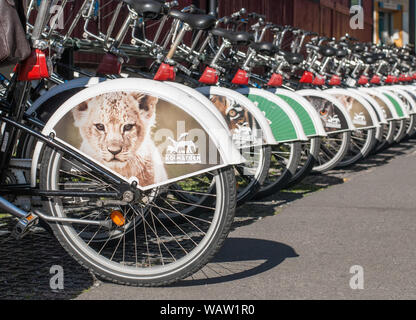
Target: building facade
[387,21]
[327,17]
[392,22]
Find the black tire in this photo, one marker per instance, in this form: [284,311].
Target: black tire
[400,132]
[256,181]
[310,152]
[333,149]
[410,126]
[387,136]
[284,162]
[361,145]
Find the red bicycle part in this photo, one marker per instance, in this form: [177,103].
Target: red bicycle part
[166,72]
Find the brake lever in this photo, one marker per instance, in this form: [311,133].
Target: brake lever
[238,14]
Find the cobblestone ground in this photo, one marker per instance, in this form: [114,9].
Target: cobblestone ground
[25,264]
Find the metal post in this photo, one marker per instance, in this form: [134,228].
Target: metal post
[41,20]
[412,22]
[67,60]
[213,7]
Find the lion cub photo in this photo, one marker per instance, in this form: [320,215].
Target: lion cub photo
[116,130]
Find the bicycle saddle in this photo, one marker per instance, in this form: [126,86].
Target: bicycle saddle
[327,51]
[357,48]
[405,58]
[391,61]
[235,37]
[265,48]
[195,21]
[341,53]
[380,56]
[368,59]
[292,58]
[149,9]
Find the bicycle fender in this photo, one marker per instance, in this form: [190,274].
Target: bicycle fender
[361,112]
[407,97]
[235,109]
[52,95]
[374,104]
[284,122]
[396,101]
[411,90]
[333,115]
[162,134]
[385,103]
[202,99]
[311,122]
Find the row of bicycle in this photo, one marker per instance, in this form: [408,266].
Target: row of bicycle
[138,177]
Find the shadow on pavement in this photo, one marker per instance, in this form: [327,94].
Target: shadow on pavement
[25,267]
[241,258]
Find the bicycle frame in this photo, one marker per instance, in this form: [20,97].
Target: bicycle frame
[12,114]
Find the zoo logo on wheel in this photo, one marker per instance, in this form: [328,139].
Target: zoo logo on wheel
[243,136]
[182,151]
[333,122]
[359,119]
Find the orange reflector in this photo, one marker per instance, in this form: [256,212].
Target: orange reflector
[118,218]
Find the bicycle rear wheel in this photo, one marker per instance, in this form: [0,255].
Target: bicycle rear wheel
[400,130]
[309,155]
[333,149]
[157,240]
[283,164]
[411,126]
[386,136]
[362,143]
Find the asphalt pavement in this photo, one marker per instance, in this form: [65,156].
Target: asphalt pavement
[349,234]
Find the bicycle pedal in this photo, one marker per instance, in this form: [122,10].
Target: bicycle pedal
[23,226]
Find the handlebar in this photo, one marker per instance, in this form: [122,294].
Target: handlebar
[255,15]
[238,14]
[192,9]
[312,47]
[348,37]
[233,18]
